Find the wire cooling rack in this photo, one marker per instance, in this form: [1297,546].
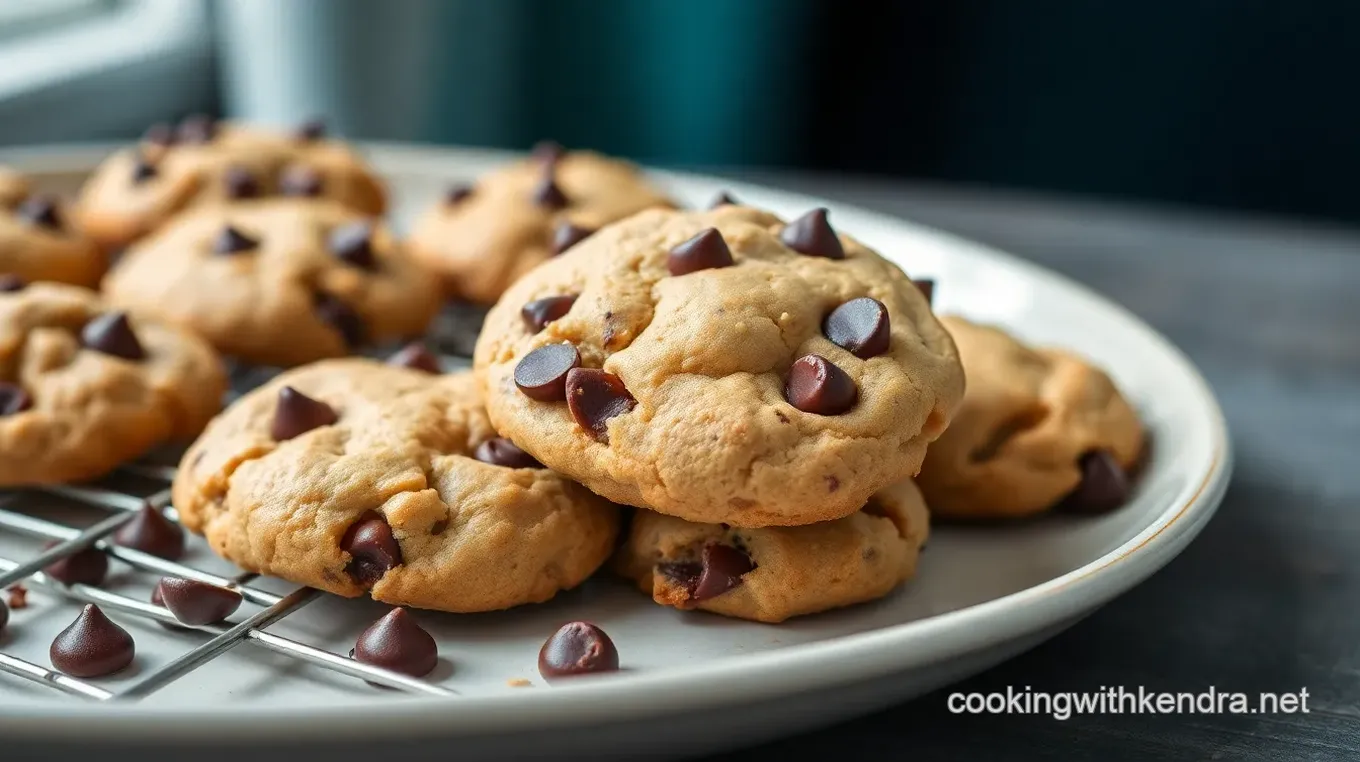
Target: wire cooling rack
[147,482]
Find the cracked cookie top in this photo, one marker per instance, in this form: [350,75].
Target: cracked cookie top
[84,388]
[356,476]
[721,366]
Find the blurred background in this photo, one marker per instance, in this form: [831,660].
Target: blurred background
[1237,104]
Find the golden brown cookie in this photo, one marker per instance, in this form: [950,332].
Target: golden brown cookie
[721,367]
[278,281]
[204,162]
[83,389]
[1037,426]
[354,476]
[771,574]
[38,241]
[483,238]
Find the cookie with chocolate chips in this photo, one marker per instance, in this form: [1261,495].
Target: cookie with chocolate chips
[774,573]
[38,241]
[1038,428]
[483,237]
[85,388]
[356,476]
[278,281]
[204,162]
[722,366]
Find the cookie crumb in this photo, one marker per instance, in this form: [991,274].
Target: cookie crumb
[519,682]
[18,597]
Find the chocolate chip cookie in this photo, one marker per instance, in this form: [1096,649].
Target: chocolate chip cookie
[1038,427]
[38,241]
[356,476]
[83,388]
[722,366]
[484,237]
[771,574]
[278,281]
[206,162]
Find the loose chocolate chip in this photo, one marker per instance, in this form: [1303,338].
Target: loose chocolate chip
[538,313]
[342,318]
[722,199]
[312,129]
[705,251]
[232,241]
[568,235]
[547,193]
[398,642]
[4,616]
[296,414]
[1104,486]
[542,374]
[142,170]
[197,128]
[299,180]
[160,134]
[197,603]
[722,570]
[456,194]
[151,532]
[859,326]
[594,396]
[927,287]
[816,385]
[353,243]
[13,399]
[41,211]
[157,599]
[548,151]
[812,235]
[87,566]
[240,183]
[577,648]
[372,547]
[416,356]
[502,452]
[92,646]
[10,283]
[111,334]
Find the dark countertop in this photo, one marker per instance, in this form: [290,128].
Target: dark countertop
[1266,598]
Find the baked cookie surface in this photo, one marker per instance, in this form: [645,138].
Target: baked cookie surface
[277,281]
[205,162]
[1037,427]
[483,237]
[721,367]
[772,574]
[355,476]
[84,389]
[38,241]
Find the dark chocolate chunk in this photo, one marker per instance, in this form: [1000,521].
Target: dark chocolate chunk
[568,235]
[372,547]
[232,241]
[197,603]
[92,646]
[704,251]
[816,385]
[542,374]
[721,570]
[10,283]
[926,287]
[722,199]
[416,356]
[538,313]
[353,243]
[13,399]
[4,616]
[1104,486]
[594,396]
[342,318]
[859,326]
[159,600]
[456,194]
[296,414]
[577,648]
[299,180]
[312,129]
[151,532]
[240,183]
[142,170]
[397,642]
[87,566]
[40,211]
[812,235]
[547,193]
[196,128]
[111,334]
[502,452]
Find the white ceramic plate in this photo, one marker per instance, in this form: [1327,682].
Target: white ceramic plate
[692,681]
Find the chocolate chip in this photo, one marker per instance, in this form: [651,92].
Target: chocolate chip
[4,616]
[577,648]
[722,569]
[296,414]
[927,287]
[92,646]
[1104,486]
[312,129]
[704,251]
[816,385]
[342,318]
[240,183]
[568,235]
[594,396]
[456,194]
[13,399]
[372,547]
[547,193]
[10,283]
[299,180]
[152,533]
[502,452]
[160,134]
[812,235]
[41,211]
[538,313]
[542,374]
[860,326]
[232,241]
[397,642]
[87,566]
[416,356]
[197,128]
[722,199]
[157,599]
[197,603]
[353,243]
[142,170]
[548,152]
[111,334]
